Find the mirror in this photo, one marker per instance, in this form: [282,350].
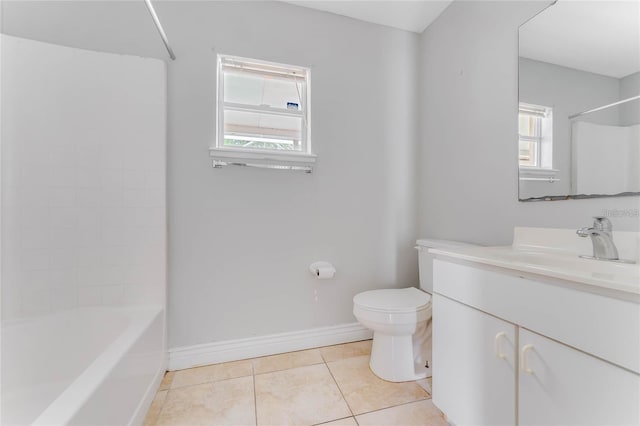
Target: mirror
[579,101]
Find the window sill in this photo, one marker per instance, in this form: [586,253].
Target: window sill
[538,174]
[264,159]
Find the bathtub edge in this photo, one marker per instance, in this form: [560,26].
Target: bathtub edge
[143,407]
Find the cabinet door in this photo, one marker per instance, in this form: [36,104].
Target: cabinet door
[474,362]
[564,386]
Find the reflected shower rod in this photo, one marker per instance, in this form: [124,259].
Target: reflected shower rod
[624,101]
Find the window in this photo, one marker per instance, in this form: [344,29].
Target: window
[535,136]
[535,143]
[263,115]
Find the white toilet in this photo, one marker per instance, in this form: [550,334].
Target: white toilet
[401,322]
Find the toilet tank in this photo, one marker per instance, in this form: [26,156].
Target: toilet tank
[425,259]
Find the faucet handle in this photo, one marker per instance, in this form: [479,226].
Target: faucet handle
[602,223]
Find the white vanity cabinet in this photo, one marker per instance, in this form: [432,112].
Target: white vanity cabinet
[476,358]
[516,349]
[563,386]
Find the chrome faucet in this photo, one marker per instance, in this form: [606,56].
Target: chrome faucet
[602,239]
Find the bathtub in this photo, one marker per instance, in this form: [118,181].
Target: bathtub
[88,366]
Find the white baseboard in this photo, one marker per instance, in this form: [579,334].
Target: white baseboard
[234,350]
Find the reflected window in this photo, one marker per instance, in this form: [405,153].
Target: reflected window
[535,140]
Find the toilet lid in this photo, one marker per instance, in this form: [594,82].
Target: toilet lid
[393,300]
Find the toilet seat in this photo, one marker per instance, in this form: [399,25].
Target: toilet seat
[393,307]
[404,300]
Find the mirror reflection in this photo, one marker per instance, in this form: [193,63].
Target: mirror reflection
[579,101]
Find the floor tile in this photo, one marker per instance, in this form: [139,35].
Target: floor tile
[211,373]
[166,380]
[348,350]
[365,392]
[227,402]
[154,411]
[421,413]
[286,361]
[349,421]
[299,396]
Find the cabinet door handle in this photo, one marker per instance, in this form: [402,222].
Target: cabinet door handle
[524,365]
[499,353]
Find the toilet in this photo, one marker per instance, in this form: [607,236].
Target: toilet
[401,321]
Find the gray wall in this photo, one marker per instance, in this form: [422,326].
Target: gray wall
[467,161]
[630,112]
[568,91]
[240,239]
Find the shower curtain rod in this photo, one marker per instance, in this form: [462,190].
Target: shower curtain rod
[624,101]
[156,20]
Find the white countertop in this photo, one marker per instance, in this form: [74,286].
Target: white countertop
[554,260]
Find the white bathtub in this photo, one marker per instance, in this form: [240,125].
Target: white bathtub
[89,366]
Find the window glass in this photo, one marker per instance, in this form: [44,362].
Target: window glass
[261,130]
[527,154]
[528,125]
[257,90]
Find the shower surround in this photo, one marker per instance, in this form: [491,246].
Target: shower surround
[83,233]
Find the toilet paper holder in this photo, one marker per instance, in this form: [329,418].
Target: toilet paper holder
[322,270]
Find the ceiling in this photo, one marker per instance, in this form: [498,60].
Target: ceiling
[601,37]
[413,15]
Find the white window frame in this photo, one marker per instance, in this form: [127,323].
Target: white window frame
[543,140]
[302,159]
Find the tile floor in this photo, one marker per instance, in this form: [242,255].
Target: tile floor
[332,386]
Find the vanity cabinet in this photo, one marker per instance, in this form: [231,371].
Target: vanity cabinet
[510,349]
[563,386]
[476,358]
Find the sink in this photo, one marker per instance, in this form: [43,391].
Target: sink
[566,261]
[555,253]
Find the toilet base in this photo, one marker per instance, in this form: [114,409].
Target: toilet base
[402,358]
